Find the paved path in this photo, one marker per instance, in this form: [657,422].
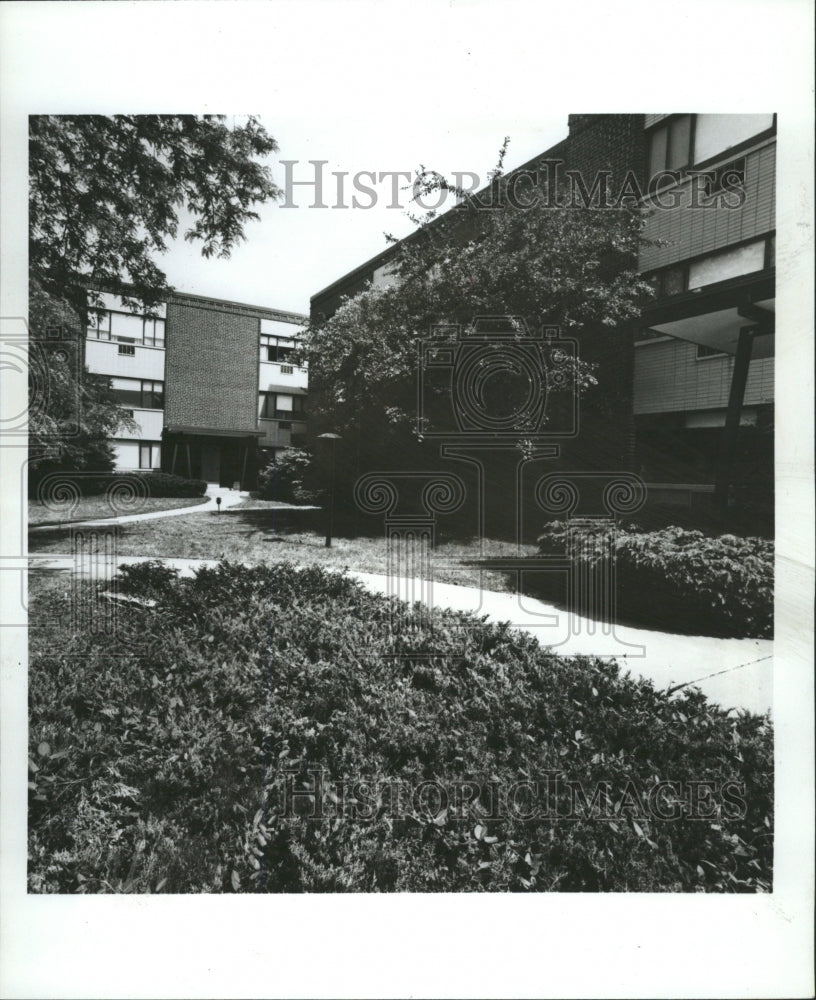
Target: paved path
[735,673]
[228,499]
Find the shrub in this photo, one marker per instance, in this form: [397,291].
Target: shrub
[291,478]
[163,484]
[89,484]
[682,580]
[179,754]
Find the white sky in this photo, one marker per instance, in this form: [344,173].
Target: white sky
[294,252]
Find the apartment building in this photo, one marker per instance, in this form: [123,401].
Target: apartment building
[704,364]
[211,385]
[694,381]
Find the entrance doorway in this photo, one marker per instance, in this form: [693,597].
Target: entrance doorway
[211,463]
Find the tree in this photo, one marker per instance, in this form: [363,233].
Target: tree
[73,413]
[571,266]
[106,193]
[105,197]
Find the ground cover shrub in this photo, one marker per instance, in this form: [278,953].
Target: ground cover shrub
[681,580]
[280,730]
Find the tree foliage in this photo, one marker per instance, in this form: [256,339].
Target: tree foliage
[571,266]
[72,413]
[106,194]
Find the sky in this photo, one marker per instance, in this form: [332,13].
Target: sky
[294,251]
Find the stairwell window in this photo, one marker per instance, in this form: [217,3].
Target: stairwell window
[670,145]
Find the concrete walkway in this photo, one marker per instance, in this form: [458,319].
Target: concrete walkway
[228,499]
[735,673]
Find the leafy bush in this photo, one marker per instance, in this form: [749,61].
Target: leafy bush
[156,484]
[291,478]
[682,580]
[163,484]
[180,754]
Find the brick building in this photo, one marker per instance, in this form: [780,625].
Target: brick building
[210,384]
[693,382]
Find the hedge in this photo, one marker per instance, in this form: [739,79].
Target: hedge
[683,581]
[154,484]
[181,754]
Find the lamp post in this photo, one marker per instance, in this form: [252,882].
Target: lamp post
[330,524]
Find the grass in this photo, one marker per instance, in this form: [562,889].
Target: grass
[250,537]
[96,508]
[280,730]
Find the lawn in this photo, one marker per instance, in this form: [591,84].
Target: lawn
[256,536]
[257,730]
[94,508]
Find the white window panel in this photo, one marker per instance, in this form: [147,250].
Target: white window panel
[730,264]
[127,326]
[284,402]
[716,133]
[276,328]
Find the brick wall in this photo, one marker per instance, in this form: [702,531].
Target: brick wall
[211,367]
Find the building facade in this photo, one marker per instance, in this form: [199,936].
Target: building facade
[694,379]
[211,385]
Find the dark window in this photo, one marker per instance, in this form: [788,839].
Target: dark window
[127,349]
[268,404]
[140,393]
[708,352]
[670,145]
[669,280]
[273,350]
[269,407]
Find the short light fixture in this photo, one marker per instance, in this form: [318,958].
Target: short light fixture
[218,504]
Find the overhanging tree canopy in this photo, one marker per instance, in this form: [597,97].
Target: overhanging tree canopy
[106,193]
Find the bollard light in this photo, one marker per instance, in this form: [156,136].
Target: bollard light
[333,438]
[218,502]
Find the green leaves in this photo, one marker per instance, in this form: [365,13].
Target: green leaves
[299,674]
[106,193]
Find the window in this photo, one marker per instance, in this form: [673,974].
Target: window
[704,352]
[287,370]
[282,406]
[274,348]
[715,134]
[669,280]
[127,328]
[149,455]
[727,264]
[670,145]
[139,393]
[99,326]
[127,349]
[154,332]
